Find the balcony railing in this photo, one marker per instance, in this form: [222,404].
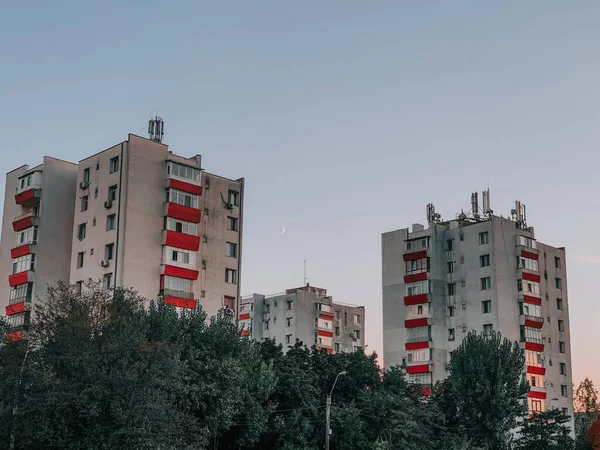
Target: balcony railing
[14,301]
[418,339]
[532,339]
[178,294]
[534,318]
[23,216]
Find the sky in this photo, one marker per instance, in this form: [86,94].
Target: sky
[345,117]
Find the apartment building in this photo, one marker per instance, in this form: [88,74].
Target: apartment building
[305,314]
[134,215]
[477,272]
[35,245]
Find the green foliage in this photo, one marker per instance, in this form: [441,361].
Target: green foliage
[545,431]
[487,390]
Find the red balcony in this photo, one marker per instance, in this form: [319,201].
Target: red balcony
[534,322]
[182,212]
[326,316]
[534,346]
[20,278]
[416,345]
[536,394]
[244,316]
[184,186]
[21,250]
[421,368]
[180,302]
[531,277]
[30,197]
[415,277]
[25,221]
[179,272]
[536,370]
[413,323]
[415,255]
[530,255]
[532,300]
[17,308]
[416,299]
[14,336]
[325,333]
[181,240]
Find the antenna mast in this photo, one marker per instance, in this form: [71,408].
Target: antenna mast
[305,279]
[156,129]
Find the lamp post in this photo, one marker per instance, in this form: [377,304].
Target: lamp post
[550,401]
[328,411]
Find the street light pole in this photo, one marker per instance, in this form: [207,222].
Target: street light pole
[328,412]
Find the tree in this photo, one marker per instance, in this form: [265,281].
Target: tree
[586,398]
[545,431]
[488,390]
[594,434]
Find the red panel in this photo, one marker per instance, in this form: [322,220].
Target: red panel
[536,394]
[245,332]
[244,316]
[326,316]
[23,223]
[529,255]
[413,323]
[415,299]
[11,337]
[329,350]
[530,277]
[180,272]
[532,300]
[536,370]
[180,302]
[415,255]
[426,391]
[325,333]
[20,251]
[183,213]
[24,196]
[423,368]
[534,347]
[187,187]
[534,323]
[18,278]
[182,240]
[416,345]
[15,309]
[416,277]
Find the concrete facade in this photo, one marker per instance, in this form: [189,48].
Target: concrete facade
[484,273]
[133,215]
[306,314]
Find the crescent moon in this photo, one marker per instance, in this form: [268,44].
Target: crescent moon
[282,229]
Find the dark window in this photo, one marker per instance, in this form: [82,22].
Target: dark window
[233,197]
[484,238]
[486,306]
[559,304]
[80,256]
[486,283]
[562,347]
[84,203]
[232,223]
[558,283]
[561,325]
[557,262]
[563,390]
[81,231]
[484,260]
[449,244]
[86,175]
[110,222]
[450,266]
[451,288]
[114,164]
[337,331]
[112,193]
[563,369]
[108,252]
[451,334]
[451,311]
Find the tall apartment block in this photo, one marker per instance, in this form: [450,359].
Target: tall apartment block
[306,314]
[477,272]
[134,215]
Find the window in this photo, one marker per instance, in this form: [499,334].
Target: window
[233,197]
[562,347]
[451,334]
[563,369]
[180,226]
[535,380]
[418,334]
[179,170]
[232,223]
[110,222]
[337,331]
[531,287]
[535,405]
[108,281]
[486,283]
[557,263]
[231,249]
[84,203]
[80,260]
[451,311]
[486,306]
[288,322]
[488,329]
[484,260]
[229,301]
[419,287]
[266,325]
[79,287]
[112,193]
[288,338]
[531,334]
[28,236]
[450,267]
[416,244]
[337,347]
[451,288]
[532,310]
[323,323]
[484,238]
[417,266]
[419,378]
[420,355]
[113,165]
[357,334]
[24,263]
[321,307]
[559,304]
[182,198]
[561,325]
[109,252]
[417,310]
[325,340]
[527,263]
[230,276]
[563,390]
[526,241]
[449,244]
[289,305]
[558,283]
[178,287]
[81,231]
[533,358]
[356,319]
[86,175]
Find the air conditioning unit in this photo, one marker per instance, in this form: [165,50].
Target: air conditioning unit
[84,185]
[108,204]
[229,205]
[104,263]
[228,312]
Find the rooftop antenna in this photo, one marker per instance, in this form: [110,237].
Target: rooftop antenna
[487,209]
[156,129]
[305,279]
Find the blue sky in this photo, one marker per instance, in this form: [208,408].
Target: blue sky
[345,117]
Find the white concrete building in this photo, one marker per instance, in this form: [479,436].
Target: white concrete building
[477,272]
[134,215]
[306,314]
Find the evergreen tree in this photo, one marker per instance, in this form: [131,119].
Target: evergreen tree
[545,431]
